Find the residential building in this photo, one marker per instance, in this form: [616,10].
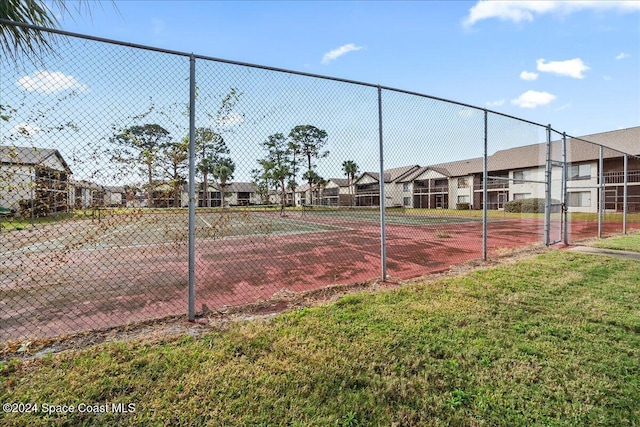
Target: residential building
[517,173]
[85,194]
[236,194]
[242,194]
[367,187]
[34,179]
[337,192]
[520,173]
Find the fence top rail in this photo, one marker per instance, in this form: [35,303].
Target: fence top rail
[263,67]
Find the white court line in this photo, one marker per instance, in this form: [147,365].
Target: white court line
[203,220]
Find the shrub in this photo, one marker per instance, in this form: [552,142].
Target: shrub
[463,206]
[529,206]
[39,207]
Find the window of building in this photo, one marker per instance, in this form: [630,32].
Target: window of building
[519,177]
[441,184]
[464,199]
[580,199]
[405,187]
[463,182]
[331,191]
[580,172]
[519,196]
[406,201]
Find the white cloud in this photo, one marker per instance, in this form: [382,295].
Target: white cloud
[571,67]
[533,99]
[336,53]
[518,11]
[25,129]
[495,103]
[622,55]
[607,78]
[230,120]
[50,82]
[527,75]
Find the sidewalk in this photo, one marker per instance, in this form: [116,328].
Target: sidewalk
[607,252]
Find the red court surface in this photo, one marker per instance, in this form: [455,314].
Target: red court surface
[61,292]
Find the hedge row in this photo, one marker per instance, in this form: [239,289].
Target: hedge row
[529,206]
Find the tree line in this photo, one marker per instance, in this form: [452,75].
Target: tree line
[284,157]
[159,157]
[152,150]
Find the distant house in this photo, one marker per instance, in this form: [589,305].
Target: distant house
[367,187]
[425,187]
[337,192]
[114,196]
[34,179]
[85,194]
[275,197]
[242,194]
[165,195]
[514,173]
[236,194]
[302,195]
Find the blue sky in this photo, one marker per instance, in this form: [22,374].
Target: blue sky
[574,65]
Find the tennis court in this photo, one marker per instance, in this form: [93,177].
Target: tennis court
[87,274]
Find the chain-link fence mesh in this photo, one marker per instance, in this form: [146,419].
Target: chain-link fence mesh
[87,157]
[288,186]
[610,196]
[286,155]
[430,221]
[516,184]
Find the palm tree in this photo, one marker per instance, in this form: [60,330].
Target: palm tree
[350,169]
[294,151]
[27,43]
[316,180]
[223,172]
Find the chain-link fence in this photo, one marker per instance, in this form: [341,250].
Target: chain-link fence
[138,184]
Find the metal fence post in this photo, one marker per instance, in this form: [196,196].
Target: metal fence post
[383,231]
[547,207]
[625,194]
[565,194]
[600,191]
[192,186]
[485,193]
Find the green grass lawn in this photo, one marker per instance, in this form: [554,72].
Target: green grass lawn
[11,223]
[551,341]
[624,243]
[18,223]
